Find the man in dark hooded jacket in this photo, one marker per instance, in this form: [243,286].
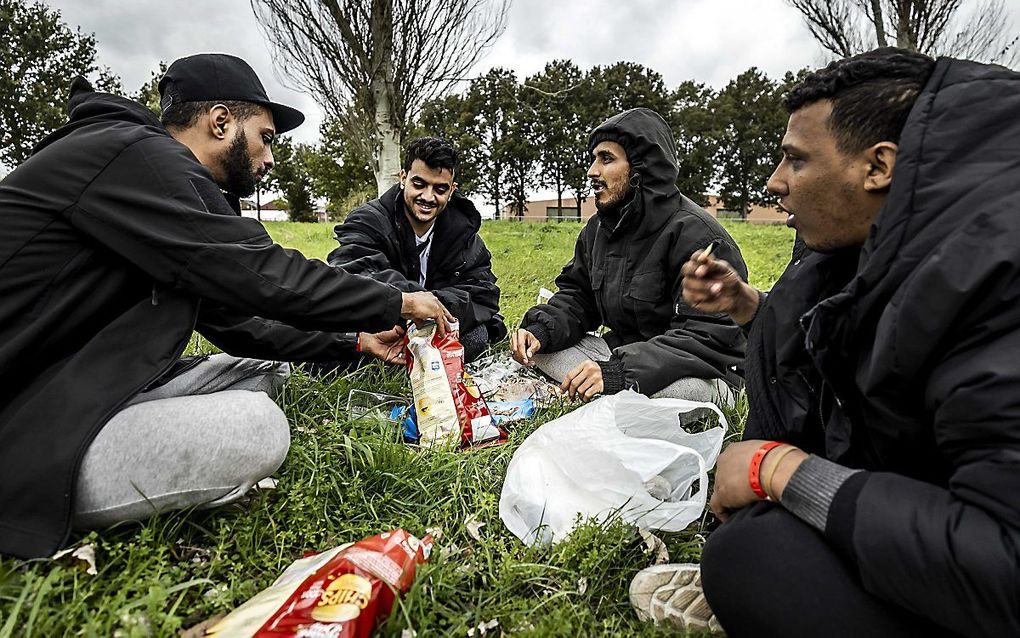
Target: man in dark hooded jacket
[117,243]
[625,275]
[422,234]
[882,369]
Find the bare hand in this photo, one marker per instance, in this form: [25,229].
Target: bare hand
[523,346]
[387,346]
[584,381]
[422,306]
[713,285]
[732,490]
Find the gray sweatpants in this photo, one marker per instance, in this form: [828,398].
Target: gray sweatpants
[558,364]
[201,440]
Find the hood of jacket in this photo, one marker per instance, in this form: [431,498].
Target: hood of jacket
[651,152]
[86,107]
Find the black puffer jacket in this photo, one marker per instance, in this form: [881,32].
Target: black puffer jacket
[115,243]
[376,240]
[920,360]
[626,275]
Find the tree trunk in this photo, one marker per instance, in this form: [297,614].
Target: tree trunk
[559,201]
[497,190]
[878,18]
[387,169]
[904,35]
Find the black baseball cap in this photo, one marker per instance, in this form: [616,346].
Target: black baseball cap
[208,77]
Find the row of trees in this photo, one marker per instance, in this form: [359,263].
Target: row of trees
[515,137]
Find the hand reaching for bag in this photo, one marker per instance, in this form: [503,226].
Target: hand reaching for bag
[422,306]
[387,346]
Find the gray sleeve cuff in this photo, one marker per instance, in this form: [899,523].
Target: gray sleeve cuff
[809,493]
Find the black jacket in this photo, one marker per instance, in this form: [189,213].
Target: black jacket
[116,244]
[917,360]
[625,275]
[376,240]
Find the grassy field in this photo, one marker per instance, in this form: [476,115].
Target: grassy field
[346,479]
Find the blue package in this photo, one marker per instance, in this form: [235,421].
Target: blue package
[405,415]
[505,411]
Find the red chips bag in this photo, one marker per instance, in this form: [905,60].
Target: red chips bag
[340,593]
[448,407]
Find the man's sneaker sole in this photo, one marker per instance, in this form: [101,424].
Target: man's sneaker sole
[673,594]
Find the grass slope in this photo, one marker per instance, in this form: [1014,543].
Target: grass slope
[346,479]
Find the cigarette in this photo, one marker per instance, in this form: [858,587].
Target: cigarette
[708,250]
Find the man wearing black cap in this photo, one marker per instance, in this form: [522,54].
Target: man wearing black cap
[118,241]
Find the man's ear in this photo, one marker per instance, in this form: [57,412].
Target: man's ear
[455,185]
[220,118]
[881,160]
[403,177]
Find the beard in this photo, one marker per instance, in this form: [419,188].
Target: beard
[614,200]
[238,177]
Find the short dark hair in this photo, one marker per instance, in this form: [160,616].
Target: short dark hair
[180,115]
[872,95]
[436,152]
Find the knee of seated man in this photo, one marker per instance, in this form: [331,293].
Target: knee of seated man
[259,430]
[745,554]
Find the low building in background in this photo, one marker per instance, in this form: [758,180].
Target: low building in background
[543,210]
[276,211]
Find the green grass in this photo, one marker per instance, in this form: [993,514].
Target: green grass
[345,479]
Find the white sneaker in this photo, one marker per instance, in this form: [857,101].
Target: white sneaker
[672,593]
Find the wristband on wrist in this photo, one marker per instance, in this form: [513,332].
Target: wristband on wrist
[357,344]
[780,455]
[754,470]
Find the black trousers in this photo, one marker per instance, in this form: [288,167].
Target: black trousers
[767,573]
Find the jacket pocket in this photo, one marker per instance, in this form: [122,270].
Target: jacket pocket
[648,287]
[652,306]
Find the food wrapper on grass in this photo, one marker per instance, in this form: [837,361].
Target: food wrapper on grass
[341,593]
[449,409]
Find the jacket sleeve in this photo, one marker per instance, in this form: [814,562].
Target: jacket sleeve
[361,252]
[573,310]
[697,344]
[260,338]
[474,299]
[949,554]
[157,208]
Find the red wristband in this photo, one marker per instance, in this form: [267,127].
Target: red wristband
[754,471]
[357,344]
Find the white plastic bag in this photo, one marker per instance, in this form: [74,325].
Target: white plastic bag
[598,460]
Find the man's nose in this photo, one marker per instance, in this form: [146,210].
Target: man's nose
[593,170]
[776,185]
[268,162]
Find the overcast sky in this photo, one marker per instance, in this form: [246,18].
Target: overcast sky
[706,40]
[709,41]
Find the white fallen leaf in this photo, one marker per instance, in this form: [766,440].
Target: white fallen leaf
[582,585]
[654,546]
[435,532]
[83,556]
[408,633]
[267,484]
[474,527]
[484,627]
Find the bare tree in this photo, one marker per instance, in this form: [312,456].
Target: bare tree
[980,30]
[372,64]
